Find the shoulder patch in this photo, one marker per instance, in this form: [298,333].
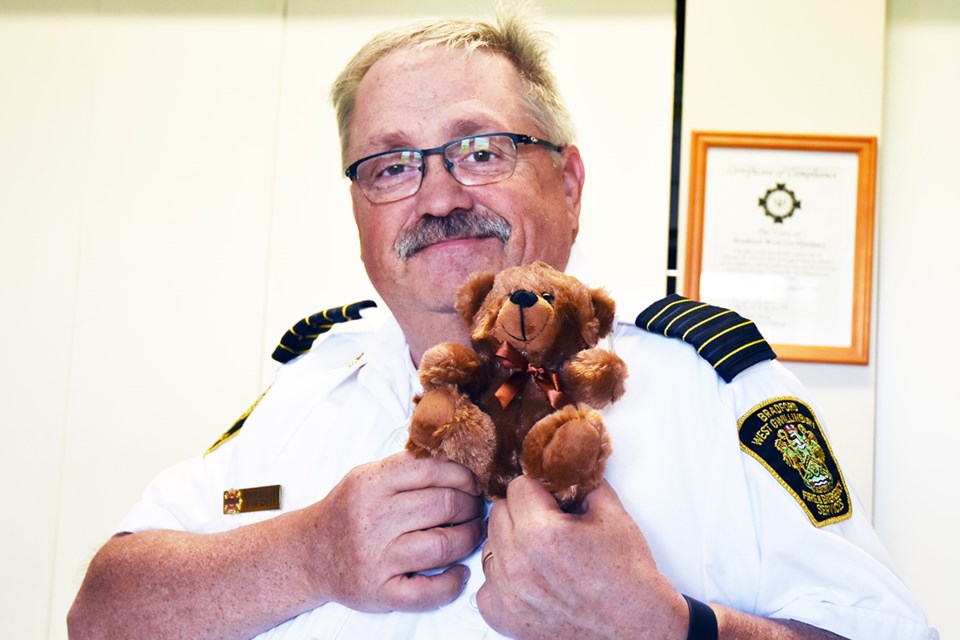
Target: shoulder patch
[299,338]
[784,436]
[725,339]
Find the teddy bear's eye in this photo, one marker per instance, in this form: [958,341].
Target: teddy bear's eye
[548,297]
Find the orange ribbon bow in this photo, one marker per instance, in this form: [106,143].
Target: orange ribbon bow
[522,370]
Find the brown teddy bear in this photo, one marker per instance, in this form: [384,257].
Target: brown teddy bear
[524,399]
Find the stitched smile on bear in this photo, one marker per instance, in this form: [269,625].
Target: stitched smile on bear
[524,316]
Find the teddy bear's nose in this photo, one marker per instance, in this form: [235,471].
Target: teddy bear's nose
[523,299]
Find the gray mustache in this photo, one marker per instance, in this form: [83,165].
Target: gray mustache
[458,224]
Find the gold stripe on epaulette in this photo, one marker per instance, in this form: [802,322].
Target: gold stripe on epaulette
[670,324]
[703,322]
[659,313]
[736,351]
[725,331]
[286,348]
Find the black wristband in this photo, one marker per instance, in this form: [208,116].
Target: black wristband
[703,621]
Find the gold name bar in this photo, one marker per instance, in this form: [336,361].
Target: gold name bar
[253,499]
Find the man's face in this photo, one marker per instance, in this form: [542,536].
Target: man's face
[422,100]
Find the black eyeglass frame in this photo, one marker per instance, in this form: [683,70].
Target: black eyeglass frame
[517,138]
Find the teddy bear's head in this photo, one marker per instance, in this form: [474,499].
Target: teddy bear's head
[544,314]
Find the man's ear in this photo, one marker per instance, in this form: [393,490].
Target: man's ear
[471,294]
[573,176]
[605,310]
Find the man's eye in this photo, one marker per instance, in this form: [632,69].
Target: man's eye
[389,170]
[395,169]
[390,166]
[481,156]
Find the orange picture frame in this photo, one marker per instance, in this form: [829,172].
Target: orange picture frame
[847,254]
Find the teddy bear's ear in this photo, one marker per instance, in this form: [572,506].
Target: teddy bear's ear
[604,309]
[471,294]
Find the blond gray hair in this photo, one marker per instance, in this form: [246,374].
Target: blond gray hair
[510,36]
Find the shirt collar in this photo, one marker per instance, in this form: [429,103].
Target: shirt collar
[387,370]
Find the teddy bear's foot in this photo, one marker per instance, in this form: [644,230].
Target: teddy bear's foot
[447,425]
[567,451]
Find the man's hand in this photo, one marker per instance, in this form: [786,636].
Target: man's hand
[388,520]
[557,575]
[359,546]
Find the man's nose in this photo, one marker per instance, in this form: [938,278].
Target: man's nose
[439,192]
[523,299]
[442,168]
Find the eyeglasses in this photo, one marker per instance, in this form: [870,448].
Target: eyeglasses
[472,161]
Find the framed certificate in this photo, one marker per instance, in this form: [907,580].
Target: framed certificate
[781,229]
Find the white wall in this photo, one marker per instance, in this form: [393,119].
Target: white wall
[170,201]
[917,435]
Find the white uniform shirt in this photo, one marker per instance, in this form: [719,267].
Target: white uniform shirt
[720,526]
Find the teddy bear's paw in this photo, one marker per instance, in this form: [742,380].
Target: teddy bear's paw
[432,417]
[595,376]
[447,425]
[567,451]
[449,364]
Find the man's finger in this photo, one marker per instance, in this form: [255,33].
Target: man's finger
[602,500]
[435,507]
[485,605]
[408,472]
[418,592]
[527,495]
[527,501]
[433,548]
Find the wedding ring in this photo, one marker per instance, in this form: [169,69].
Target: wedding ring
[486,558]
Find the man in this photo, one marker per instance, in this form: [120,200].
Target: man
[460,157]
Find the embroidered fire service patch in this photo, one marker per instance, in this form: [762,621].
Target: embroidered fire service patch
[784,436]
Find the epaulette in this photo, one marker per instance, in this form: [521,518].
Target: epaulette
[725,339]
[295,342]
[299,338]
